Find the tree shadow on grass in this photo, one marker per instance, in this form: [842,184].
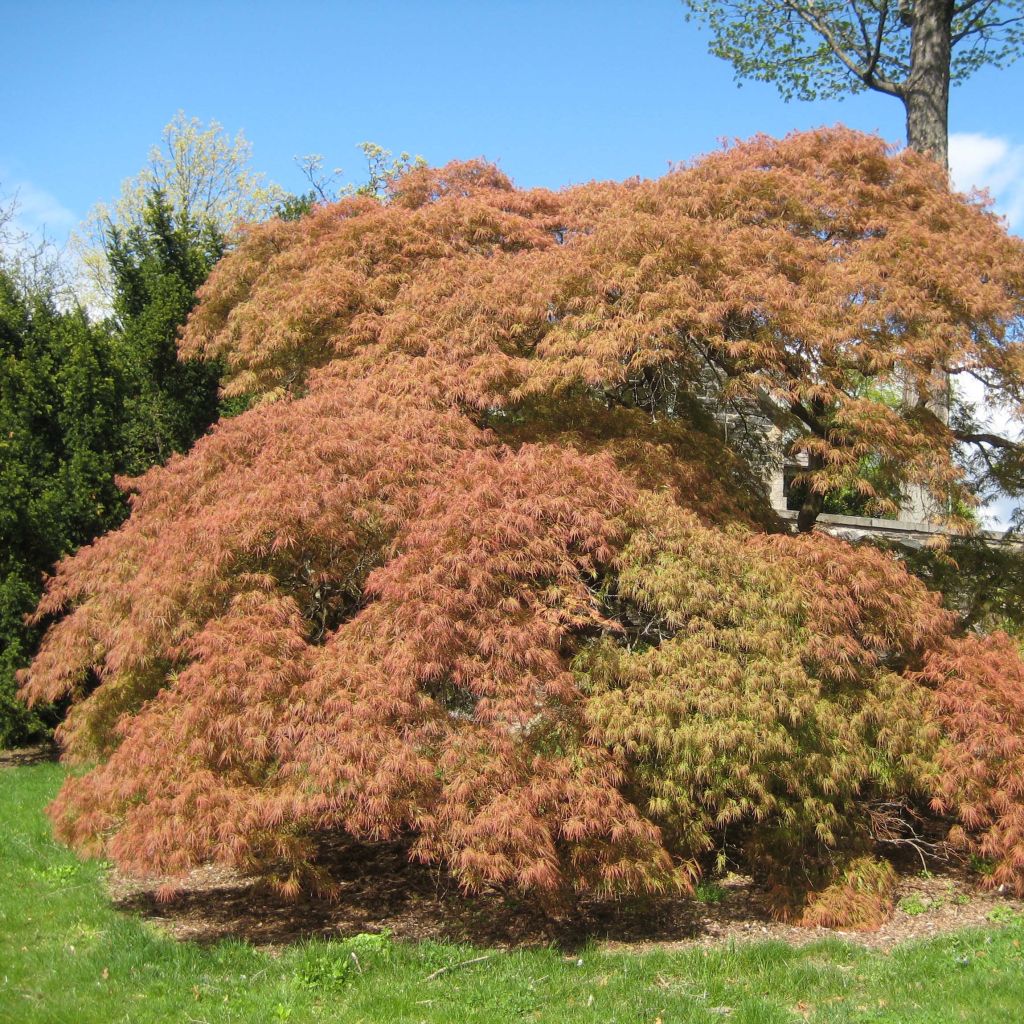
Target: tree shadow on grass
[21,757]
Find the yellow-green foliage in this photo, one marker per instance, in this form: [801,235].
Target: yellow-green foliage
[731,702]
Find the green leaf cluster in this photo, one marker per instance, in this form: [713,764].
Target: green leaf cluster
[742,715]
[156,268]
[824,49]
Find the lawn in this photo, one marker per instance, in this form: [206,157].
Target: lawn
[67,956]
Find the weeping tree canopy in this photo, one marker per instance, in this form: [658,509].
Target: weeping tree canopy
[481,567]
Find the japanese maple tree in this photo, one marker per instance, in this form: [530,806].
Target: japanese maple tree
[481,567]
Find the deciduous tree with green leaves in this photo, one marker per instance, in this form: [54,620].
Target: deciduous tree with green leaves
[207,180]
[912,50]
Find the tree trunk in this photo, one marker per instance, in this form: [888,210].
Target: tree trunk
[926,95]
[926,98]
[813,502]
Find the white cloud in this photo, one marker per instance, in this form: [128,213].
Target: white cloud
[37,215]
[41,212]
[994,163]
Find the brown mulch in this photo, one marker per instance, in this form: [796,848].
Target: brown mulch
[380,888]
[20,757]
[947,901]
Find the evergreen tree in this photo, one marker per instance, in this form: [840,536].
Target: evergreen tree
[60,398]
[156,267]
[82,403]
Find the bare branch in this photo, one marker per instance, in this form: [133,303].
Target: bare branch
[985,438]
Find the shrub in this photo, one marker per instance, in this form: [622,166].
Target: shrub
[914,905]
[477,567]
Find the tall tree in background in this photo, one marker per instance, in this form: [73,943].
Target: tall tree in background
[60,419]
[207,180]
[82,402]
[147,253]
[382,168]
[912,50]
[155,267]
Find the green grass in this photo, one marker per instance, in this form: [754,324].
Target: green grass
[67,956]
[709,892]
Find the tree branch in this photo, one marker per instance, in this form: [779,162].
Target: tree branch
[975,28]
[808,418]
[876,54]
[985,438]
[976,22]
[870,79]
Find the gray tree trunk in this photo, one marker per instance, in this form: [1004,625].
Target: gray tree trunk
[926,95]
[926,98]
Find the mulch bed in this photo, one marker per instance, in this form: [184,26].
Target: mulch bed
[22,756]
[380,888]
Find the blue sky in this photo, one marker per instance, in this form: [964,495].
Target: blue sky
[556,92]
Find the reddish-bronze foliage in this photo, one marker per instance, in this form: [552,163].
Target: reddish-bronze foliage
[861,898]
[979,691]
[777,274]
[479,567]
